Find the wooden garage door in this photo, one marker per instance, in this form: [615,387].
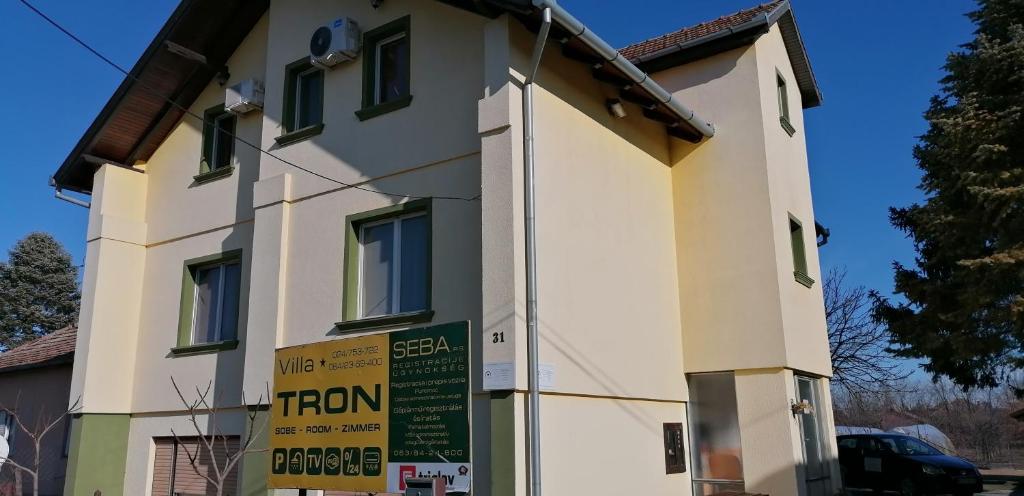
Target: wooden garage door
[174,475]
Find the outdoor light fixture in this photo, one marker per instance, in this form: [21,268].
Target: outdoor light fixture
[802,408]
[223,76]
[185,52]
[376,3]
[616,108]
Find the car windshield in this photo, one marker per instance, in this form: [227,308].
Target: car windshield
[909,446]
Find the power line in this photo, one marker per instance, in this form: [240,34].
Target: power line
[156,93]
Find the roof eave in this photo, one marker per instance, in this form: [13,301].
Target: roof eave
[65,359]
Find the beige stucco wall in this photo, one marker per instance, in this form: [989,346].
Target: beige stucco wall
[803,311]
[187,220]
[111,292]
[741,306]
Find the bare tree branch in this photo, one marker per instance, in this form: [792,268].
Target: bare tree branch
[42,426]
[208,439]
[861,363]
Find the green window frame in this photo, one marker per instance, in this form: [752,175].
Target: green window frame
[392,35]
[301,117]
[187,319]
[796,238]
[783,96]
[218,152]
[352,313]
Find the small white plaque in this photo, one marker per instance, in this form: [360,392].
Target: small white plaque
[547,377]
[499,376]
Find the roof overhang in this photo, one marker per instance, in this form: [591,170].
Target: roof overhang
[739,36]
[138,117]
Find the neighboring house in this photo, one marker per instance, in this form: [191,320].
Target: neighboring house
[678,269]
[35,380]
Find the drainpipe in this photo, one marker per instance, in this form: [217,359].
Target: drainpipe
[529,162]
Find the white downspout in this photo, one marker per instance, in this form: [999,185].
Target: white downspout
[529,163]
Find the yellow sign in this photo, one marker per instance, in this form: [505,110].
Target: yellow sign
[362,414]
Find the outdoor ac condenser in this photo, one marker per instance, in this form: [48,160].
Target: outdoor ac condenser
[244,97]
[334,43]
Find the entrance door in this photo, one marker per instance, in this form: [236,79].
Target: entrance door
[816,469]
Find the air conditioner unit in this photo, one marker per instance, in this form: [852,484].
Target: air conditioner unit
[335,43]
[244,97]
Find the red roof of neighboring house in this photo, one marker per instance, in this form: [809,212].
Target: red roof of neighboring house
[701,30]
[55,348]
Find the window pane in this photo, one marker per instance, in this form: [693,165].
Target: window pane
[377,281]
[229,314]
[714,428]
[224,142]
[796,235]
[414,285]
[393,69]
[204,328]
[310,104]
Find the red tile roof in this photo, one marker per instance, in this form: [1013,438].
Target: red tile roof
[653,45]
[56,347]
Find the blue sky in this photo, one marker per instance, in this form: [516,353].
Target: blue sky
[877,61]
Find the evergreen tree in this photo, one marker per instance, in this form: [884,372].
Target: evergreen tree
[38,290]
[964,309]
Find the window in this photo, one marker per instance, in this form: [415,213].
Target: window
[303,101]
[388,263]
[715,434]
[386,73]
[796,238]
[783,96]
[218,141]
[393,266]
[210,297]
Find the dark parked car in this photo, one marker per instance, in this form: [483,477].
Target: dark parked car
[906,464]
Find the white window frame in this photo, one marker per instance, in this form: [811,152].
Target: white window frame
[7,422]
[298,94]
[396,275]
[377,100]
[219,330]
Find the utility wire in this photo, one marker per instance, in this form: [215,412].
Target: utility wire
[156,93]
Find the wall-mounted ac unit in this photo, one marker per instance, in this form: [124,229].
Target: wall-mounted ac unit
[334,43]
[244,97]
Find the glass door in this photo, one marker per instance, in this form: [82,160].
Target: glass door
[816,470]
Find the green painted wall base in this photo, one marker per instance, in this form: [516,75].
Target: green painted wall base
[256,465]
[98,452]
[503,443]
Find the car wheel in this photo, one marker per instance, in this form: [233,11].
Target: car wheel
[908,488]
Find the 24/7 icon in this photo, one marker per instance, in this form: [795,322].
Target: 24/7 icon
[350,461]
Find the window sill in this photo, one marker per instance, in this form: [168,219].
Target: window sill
[299,134]
[383,108]
[214,175]
[787,126]
[383,321]
[803,278]
[199,349]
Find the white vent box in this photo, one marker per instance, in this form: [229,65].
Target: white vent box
[334,43]
[244,97]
